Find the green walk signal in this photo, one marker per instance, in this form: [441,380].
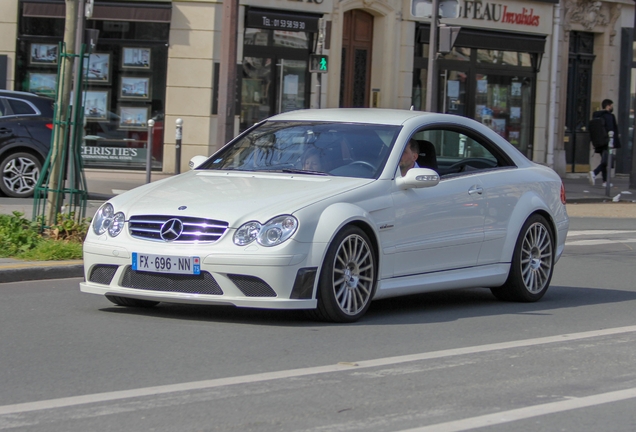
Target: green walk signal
[318,63]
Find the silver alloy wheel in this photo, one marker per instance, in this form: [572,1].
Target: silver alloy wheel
[20,175]
[536,258]
[353,274]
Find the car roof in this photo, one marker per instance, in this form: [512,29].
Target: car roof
[353,115]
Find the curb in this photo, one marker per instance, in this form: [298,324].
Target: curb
[28,271]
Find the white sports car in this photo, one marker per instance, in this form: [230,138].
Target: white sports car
[317,210]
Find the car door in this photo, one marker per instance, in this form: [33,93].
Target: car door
[438,228]
[442,227]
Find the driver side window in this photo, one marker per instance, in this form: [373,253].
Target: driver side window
[453,153]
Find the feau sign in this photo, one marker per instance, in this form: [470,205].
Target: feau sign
[424,8]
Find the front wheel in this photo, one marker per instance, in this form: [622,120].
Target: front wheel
[532,263]
[347,278]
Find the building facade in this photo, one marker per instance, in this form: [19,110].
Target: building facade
[531,70]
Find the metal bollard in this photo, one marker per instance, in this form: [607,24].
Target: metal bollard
[151,124]
[608,168]
[177,146]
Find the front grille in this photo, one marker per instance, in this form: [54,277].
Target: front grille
[189,284]
[102,274]
[252,286]
[148,227]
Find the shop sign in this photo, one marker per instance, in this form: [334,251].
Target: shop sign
[497,12]
[299,6]
[114,154]
[528,17]
[258,18]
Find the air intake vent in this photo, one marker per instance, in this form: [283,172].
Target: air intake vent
[102,274]
[189,284]
[252,286]
[176,228]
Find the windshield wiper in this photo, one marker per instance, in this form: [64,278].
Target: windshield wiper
[302,171]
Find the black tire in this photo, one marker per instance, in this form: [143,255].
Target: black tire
[347,279]
[131,302]
[19,174]
[532,263]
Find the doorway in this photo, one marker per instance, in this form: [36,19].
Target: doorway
[579,90]
[355,72]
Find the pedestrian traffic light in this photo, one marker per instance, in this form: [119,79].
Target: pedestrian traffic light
[318,63]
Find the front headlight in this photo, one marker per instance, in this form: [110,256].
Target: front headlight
[272,233]
[107,220]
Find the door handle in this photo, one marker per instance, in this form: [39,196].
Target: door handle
[5,131]
[475,190]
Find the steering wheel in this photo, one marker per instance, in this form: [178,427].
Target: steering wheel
[364,164]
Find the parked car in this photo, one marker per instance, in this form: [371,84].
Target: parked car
[25,138]
[252,226]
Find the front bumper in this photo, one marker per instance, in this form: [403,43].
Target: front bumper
[283,279]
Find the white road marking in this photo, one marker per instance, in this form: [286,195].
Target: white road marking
[268,376]
[595,242]
[527,412]
[598,232]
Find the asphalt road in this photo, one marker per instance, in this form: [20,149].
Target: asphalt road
[449,361]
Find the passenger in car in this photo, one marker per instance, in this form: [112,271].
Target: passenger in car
[409,157]
[312,160]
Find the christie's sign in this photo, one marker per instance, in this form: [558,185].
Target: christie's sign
[496,12]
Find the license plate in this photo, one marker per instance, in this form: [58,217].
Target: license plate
[166,264]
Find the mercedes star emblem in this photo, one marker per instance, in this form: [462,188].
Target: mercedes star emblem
[171,230]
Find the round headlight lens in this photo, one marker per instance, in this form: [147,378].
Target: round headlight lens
[103,219]
[117,224]
[247,233]
[277,230]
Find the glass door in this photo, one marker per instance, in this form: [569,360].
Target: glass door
[256,90]
[291,85]
[453,92]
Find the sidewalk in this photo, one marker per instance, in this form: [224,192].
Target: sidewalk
[103,184]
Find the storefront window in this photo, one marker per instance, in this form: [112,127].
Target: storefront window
[275,64]
[290,39]
[492,86]
[461,54]
[123,87]
[504,57]
[503,104]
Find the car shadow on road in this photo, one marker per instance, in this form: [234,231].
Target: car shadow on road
[426,308]
[459,304]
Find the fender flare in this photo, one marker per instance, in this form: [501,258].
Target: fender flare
[529,204]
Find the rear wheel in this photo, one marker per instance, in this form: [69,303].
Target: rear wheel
[20,173]
[532,263]
[347,278]
[131,302]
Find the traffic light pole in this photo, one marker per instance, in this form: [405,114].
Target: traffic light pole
[431,77]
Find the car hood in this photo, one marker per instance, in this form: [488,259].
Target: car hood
[234,197]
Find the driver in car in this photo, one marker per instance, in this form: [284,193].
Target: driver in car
[409,157]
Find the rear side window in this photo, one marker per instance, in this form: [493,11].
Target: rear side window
[20,107]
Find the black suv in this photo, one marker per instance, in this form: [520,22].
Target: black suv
[26,125]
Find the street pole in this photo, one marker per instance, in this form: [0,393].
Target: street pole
[431,77]
[63,97]
[227,73]
[151,125]
[608,168]
[177,146]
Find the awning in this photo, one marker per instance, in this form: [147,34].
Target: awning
[147,12]
[483,39]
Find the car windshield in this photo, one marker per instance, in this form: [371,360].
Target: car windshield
[318,148]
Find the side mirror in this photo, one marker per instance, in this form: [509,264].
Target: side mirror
[196,161]
[418,178]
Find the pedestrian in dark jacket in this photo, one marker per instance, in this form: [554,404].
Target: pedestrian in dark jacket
[610,126]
